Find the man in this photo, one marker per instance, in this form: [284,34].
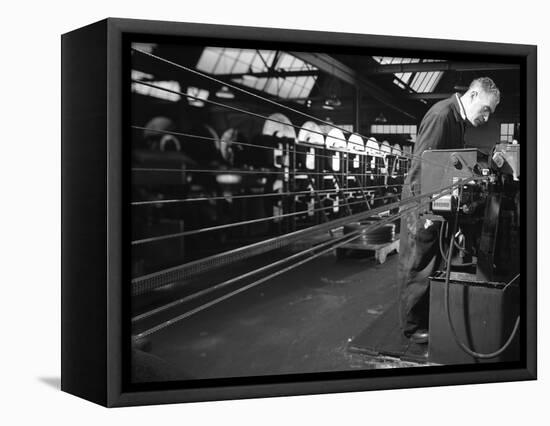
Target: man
[442,127]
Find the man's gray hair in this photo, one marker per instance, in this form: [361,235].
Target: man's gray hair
[487,85]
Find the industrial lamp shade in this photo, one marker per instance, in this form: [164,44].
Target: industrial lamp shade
[225,93]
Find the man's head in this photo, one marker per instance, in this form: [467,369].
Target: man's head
[480,100]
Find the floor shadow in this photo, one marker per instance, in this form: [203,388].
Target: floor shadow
[54,382]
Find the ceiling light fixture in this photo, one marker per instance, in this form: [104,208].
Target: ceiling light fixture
[225,93]
[381,119]
[332,102]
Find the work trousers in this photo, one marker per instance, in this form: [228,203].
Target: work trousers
[419,257]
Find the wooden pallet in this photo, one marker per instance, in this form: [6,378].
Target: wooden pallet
[381,251]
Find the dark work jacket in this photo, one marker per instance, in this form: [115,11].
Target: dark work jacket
[441,128]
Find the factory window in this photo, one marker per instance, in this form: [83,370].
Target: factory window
[420,82]
[142,89]
[155,92]
[386,60]
[251,68]
[144,47]
[506,132]
[399,83]
[425,82]
[140,75]
[393,129]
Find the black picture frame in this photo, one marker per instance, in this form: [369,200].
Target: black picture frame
[94,230]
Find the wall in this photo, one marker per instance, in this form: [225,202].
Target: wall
[485,137]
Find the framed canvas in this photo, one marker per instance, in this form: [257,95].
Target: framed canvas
[252,212]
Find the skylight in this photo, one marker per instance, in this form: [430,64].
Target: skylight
[247,62]
[158,92]
[155,92]
[419,82]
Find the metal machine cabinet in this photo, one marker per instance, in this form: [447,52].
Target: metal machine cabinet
[483,314]
[456,164]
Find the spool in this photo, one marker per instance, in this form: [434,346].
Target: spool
[374,160]
[396,150]
[382,235]
[336,142]
[356,148]
[154,131]
[204,152]
[278,132]
[226,144]
[309,141]
[385,149]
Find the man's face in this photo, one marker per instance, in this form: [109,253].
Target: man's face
[482,105]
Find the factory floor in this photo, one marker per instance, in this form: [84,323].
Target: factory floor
[298,322]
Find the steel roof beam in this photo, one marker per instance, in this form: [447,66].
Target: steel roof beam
[332,66]
[440,66]
[274,73]
[428,96]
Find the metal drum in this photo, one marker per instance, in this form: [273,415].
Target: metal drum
[227,146]
[336,146]
[357,153]
[203,148]
[396,153]
[309,144]
[386,152]
[397,172]
[308,154]
[356,162]
[157,135]
[375,161]
[381,235]
[279,133]
[336,149]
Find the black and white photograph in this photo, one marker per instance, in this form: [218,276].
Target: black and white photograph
[281,213]
[327,210]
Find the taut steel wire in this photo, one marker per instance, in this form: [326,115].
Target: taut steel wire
[262,98]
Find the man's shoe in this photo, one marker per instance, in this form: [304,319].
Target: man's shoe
[420,337]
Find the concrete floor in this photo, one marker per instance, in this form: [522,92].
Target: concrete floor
[299,322]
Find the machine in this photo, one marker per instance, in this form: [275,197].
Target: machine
[474,297]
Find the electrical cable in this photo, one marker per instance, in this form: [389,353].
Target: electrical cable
[261,269]
[270,194]
[253,114]
[248,222]
[250,145]
[173,274]
[262,98]
[344,240]
[254,172]
[465,348]
[244,222]
[444,226]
